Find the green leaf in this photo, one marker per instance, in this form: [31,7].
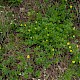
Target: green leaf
[37,73]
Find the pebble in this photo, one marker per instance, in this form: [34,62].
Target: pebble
[22,9]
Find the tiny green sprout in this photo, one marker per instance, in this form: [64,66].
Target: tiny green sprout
[68,43]
[71,51]
[53,49]
[29,30]
[31,37]
[47,34]
[29,13]
[77,46]
[20,74]
[0,47]
[73,62]
[73,36]
[1,32]
[43,41]
[69,47]
[71,6]
[11,23]
[38,46]
[46,28]
[35,28]
[25,25]
[28,56]
[21,24]
[46,40]
[74,28]
[35,21]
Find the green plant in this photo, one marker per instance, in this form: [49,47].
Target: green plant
[12,2]
[37,73]
[15,2]
[67,75]
[41,41]
[48,35]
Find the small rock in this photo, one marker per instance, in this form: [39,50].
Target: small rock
[22,9]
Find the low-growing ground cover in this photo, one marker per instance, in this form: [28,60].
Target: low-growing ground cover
[45,46]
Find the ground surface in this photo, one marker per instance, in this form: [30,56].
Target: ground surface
[19,15]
